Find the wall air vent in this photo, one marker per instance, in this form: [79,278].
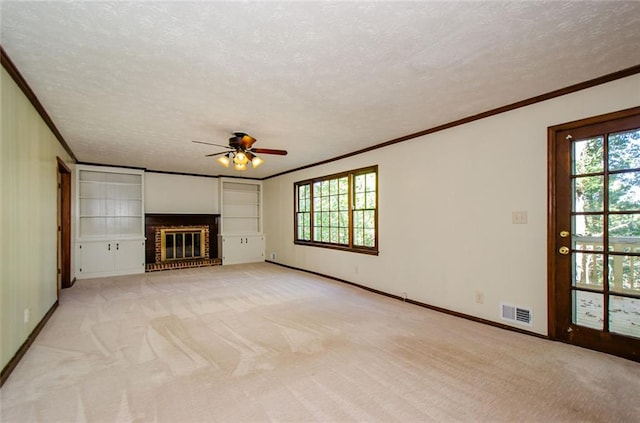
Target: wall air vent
[516,314]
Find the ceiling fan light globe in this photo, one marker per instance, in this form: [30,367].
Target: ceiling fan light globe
[241,158]
[239,166]
[224,161]
[256,161]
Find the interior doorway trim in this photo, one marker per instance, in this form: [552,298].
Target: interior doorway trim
[65,223]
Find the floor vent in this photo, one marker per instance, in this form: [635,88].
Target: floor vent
[516,314]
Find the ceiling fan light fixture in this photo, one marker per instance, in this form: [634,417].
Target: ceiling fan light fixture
[256,161]
[239,166]
[240,158]
[224,160]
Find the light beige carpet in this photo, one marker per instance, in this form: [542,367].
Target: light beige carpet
[263,343]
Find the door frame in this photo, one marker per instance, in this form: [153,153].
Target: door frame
[557,329]
[64,212]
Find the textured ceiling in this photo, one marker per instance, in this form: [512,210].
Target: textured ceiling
[132,83]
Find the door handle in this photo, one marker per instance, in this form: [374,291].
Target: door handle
[563,250]
[564,234]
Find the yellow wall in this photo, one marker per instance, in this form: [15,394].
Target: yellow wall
[28,214]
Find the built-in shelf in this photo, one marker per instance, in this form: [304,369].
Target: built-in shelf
[241,238]
[110,221]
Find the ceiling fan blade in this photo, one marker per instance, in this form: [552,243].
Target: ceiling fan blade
[216,154]
[269,151]
[210,143]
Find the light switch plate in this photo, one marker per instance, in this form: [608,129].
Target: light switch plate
[519,217]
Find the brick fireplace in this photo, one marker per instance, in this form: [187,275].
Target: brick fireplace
[181,241]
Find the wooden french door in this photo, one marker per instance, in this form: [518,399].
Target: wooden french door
[594,233]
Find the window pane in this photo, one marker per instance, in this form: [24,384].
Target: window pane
[333,202]
[359,183]
[624,191]
[370,201]
[358,236]
[371,181]
[325,188]
[333,221]
[360,201]
[333,186]
[358,219]
[344,236]
[343,219]
[588,156]
[369,238]
[325,234]
[343,202]
[318,219]
[333,235]
[588,194]
[369,219]
[624,150]
[344,185]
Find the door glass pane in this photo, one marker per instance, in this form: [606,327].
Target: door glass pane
[588,156]
[624,274]
[587,309]
[588,194]
[624,191]
[624,316]
[587,232]
[588,271]
[624,150]
[624,232]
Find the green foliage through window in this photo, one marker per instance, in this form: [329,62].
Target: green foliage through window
[338,210]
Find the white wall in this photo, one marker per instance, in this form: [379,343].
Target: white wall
[445,228]
[28,215]
[168,193]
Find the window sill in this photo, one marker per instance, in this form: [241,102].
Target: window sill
[369,251]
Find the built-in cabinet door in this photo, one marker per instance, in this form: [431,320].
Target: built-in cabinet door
[129,255]
[110,258]
[254,247]
[242,249]
[95,257]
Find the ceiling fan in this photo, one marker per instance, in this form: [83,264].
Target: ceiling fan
[240,151]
